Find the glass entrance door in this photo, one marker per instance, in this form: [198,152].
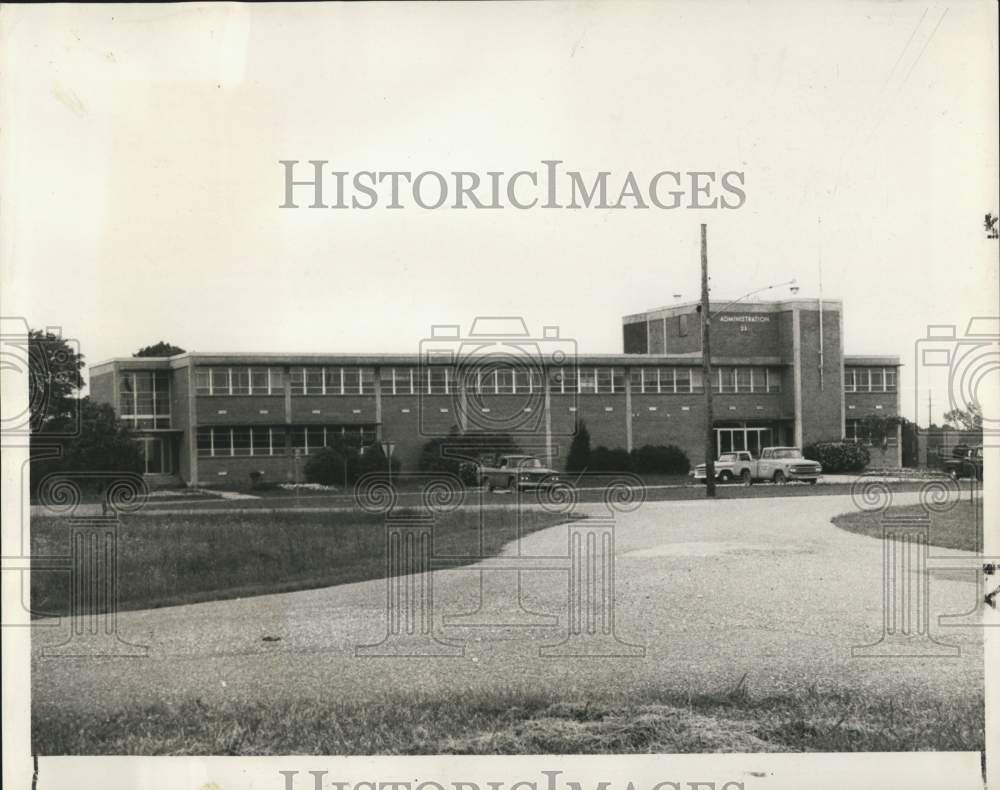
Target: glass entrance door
[156,455]
[750,438]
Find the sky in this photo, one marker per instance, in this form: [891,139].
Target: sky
[140,184]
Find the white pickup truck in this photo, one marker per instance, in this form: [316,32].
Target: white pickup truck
[776,464]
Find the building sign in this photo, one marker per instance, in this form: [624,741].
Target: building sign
[746,319]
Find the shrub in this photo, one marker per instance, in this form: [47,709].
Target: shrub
[838,456]
[344,460]
[328,466]
[604,460]
[459,454]
[660,459]
[579,450]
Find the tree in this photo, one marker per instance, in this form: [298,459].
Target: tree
[160,349]
[970,419]
[579,449]
[54,382]
[104,444]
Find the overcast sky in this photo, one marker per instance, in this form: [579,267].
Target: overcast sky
[141,182]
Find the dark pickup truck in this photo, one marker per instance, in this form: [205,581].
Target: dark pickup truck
[965,462]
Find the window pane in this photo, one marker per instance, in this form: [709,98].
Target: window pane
[618,379]
[241,381]
[297,381]
[277,376]
[258,381]
[126,394]
[314,381]
[220,381]
[876,379]
[635,379]
[890,381]
[201,377]
[743,378]
[278,441]
[352,381]
[261,441]
[367,381]
[570,379]
[697,383]
[849,379]
[299,438]
[588,380]
[438,379]
[675,380]
[223,440]
[385,380]
[241,441]
[487,382]
[604,379]
[861,379]
[774,379]
[204,442]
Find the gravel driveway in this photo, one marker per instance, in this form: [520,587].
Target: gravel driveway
[709,590]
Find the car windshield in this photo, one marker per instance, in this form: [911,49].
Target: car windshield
[727,457]
[786,452]
[527,463]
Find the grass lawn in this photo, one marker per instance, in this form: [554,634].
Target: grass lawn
[524,723]
[954,529]
[167,559]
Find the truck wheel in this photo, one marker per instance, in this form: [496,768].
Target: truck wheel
[779,478]
[746,478]
[725,476]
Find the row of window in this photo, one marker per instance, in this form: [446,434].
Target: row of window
[264,441]
[239,381]
[144,398]
[724,380]
[482,380]
[869,379]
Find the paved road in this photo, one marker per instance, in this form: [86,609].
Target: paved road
[711,590]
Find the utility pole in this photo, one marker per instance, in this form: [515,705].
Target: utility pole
[706,368]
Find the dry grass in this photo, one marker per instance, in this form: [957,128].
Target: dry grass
[960,527]
[526,723]
[169,559]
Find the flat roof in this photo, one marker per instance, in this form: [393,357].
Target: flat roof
[776,306]
[309,358]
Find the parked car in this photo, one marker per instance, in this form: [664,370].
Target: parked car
[776,464]
[516,471]
[729,467]
[969,464]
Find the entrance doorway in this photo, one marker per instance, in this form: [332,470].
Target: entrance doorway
[752,438]
[157,455]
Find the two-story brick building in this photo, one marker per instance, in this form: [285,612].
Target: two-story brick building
[779,377]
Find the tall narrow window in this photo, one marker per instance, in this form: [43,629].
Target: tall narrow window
[588,380]
[203,381]
[744,378]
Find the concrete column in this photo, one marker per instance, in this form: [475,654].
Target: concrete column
[628,409]
[192,432]
[378,403]
[547,405]
[797,372]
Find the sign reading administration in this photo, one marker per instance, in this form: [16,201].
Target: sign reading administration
[746,319]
